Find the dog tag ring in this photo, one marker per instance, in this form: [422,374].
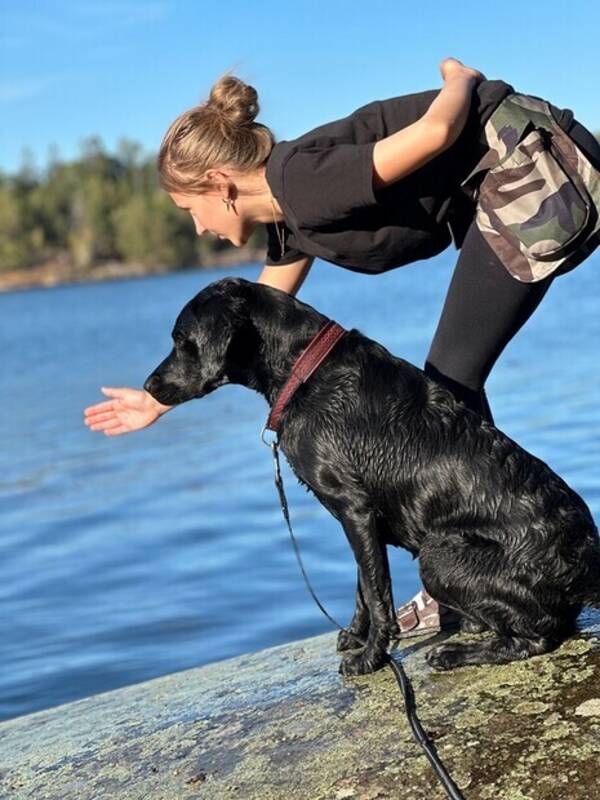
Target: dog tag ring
[273,441]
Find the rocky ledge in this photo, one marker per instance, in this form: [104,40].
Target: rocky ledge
[282,724]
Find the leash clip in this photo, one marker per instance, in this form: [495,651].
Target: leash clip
[274,441]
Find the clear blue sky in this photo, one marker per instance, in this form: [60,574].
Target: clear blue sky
[113,68]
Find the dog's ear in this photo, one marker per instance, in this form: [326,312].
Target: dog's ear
[242,351]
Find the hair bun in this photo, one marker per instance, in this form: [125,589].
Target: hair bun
[234,100]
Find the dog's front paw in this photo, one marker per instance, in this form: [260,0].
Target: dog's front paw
[347,640]
[445,656]
[362,663]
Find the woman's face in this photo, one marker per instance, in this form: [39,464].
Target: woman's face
[210,214]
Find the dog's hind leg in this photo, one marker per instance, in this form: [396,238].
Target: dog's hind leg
[497,650]
[454,572]
[471,626]
[359,626]
[474,576]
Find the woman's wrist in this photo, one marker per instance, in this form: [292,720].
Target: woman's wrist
[160,408]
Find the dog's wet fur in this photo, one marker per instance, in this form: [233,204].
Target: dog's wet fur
[500,538]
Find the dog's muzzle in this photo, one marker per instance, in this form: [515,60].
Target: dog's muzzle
[153,384]
[165,393]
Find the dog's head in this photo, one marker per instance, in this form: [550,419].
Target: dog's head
[215,339]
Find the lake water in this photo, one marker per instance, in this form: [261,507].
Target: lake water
[124,559]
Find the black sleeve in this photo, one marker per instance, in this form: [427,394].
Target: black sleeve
[325,185]
[290,252]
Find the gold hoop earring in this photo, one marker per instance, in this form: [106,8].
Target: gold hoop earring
[228,202]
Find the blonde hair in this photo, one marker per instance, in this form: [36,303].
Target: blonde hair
[219,132]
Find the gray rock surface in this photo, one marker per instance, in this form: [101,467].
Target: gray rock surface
[282,724]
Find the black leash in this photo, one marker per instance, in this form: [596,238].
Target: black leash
[418,733]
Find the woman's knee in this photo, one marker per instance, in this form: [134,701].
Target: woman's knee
[473,398]
[460,356]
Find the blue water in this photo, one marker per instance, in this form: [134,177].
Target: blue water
[127,558]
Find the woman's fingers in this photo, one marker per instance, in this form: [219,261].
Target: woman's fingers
[100,415]
[110,424]
[95,419]
[122,398]
[117,393]
[101,425]
[128,410]
[117,431]
[99,407]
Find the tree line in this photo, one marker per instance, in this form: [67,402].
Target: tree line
[98,208]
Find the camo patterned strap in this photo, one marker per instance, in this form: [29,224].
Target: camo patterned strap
[539,201]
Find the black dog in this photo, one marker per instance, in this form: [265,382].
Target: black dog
[501,539]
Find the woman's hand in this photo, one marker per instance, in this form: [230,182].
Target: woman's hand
[452,67]
[449,110]
[129,410]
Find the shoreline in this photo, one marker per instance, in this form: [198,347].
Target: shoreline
[60,272]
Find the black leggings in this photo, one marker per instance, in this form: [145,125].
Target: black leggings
[484,308]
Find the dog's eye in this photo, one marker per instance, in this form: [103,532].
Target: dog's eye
[184,344]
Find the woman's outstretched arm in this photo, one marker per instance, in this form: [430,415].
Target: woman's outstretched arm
[408,149]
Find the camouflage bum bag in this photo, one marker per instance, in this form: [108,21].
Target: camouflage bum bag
[538,205]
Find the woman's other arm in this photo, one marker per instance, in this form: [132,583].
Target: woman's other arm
[289,277]
[410,148]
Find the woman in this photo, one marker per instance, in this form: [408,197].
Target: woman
[370,192]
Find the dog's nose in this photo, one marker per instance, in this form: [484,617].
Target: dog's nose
[152,383]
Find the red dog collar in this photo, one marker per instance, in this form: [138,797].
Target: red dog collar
[303,367]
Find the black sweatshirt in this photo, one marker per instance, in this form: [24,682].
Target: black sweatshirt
[323,182]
